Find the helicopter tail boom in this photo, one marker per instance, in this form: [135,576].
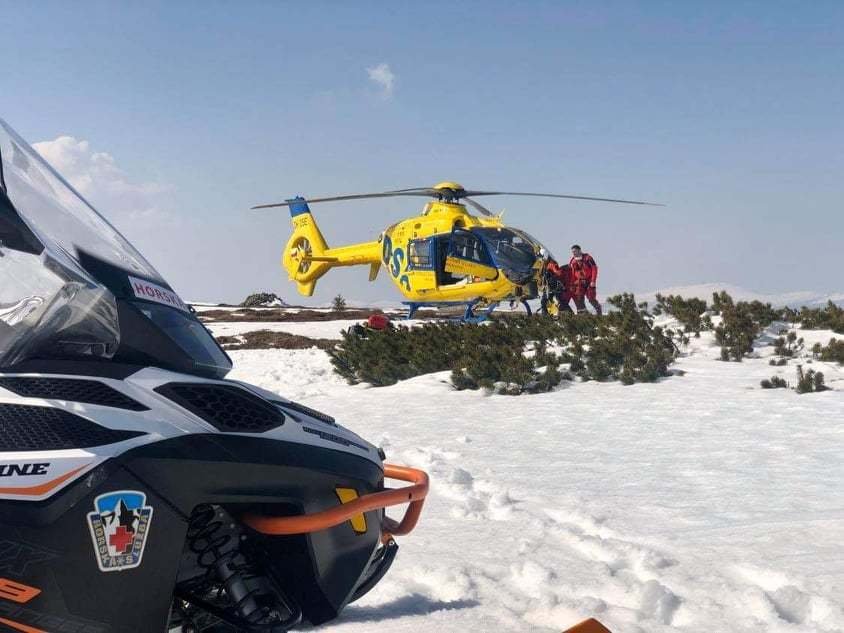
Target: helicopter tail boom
[307,256]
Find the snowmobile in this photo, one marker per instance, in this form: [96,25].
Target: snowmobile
[140,490]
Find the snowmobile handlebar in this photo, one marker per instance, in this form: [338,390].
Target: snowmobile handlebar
[306,523]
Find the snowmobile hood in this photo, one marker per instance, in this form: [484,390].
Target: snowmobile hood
[72,286]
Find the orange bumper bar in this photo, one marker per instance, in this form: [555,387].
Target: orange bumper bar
[306,523]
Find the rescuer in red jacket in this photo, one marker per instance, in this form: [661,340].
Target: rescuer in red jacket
[564,279]
[584,272]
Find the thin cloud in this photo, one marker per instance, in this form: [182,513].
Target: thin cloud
[97,176]
[383,77]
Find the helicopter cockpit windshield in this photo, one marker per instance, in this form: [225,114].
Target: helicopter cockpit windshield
[70,282]
[512,250]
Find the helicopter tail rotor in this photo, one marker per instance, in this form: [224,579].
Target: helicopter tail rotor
[307,256]
[303,256]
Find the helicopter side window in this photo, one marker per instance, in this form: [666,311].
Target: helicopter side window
[419,254]
[468,246]
[461,244]
[443,278]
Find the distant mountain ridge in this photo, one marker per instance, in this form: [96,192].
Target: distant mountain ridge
[794,299]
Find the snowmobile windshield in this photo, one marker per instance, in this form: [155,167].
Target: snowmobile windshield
[187,332]
[64,269]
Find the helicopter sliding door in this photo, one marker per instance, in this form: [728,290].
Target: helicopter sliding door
[467,259]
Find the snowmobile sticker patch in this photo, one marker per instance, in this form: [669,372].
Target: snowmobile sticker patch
[159,294]
[119,528]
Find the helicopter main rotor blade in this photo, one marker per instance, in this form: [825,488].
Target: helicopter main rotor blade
[478,207]
[461,194]
[360,196]
[427,191]
[452,195]
[556,195]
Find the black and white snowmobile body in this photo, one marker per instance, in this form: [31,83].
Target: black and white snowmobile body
[141,491]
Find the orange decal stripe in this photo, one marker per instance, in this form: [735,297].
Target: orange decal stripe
[21,627]
[40,489]
[16,591]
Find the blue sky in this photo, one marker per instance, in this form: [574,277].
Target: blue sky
[185,114]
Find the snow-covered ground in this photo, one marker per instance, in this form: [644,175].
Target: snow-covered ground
[314,329]
[209,307]
[701,503]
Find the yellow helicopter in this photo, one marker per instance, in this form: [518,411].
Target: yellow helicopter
[445,256]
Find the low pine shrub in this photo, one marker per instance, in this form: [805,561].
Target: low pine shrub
[691,313]
[513,354]
[266,339]
[830,317]
[740,324]
[496,368]
[737,330]
[762,313]
[833,352]
[788,346]
[260,299]
[774,383]
[810,381]
[338,304]
[680,337]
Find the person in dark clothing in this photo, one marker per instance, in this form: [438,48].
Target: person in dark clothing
[562,275]
[584,273]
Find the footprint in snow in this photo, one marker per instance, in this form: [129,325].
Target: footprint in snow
[476,498]
[631,569]
[772,592]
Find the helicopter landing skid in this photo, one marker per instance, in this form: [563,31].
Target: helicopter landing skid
[469,315]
